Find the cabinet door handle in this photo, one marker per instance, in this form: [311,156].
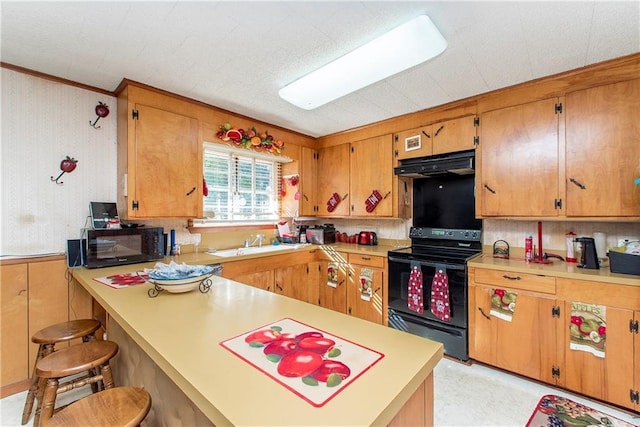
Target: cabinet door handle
[426,134]
[483,313]
[340,282]
[190,192]
[489,188]
[578,183]
[439,129]
[511,277]
[280,288]
[305,197]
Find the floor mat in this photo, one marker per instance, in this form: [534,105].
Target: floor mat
[557,411]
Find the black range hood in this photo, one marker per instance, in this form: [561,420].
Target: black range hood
[462,163]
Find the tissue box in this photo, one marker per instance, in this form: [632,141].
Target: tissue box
[624,263]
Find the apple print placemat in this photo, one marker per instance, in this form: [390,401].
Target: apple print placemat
[310,362]
[119,281]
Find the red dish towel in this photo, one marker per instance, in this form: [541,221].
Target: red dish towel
[415,301]
[440,304]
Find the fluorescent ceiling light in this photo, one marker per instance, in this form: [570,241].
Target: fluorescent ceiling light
[400,49]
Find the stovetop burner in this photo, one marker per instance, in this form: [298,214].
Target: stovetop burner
[443,245]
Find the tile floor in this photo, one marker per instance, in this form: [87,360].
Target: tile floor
[464,396]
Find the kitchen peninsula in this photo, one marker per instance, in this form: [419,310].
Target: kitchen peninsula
[181,336]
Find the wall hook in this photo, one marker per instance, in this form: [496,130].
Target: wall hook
[66,165]
[102,110]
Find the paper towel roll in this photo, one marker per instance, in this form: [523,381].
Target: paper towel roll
[601,244]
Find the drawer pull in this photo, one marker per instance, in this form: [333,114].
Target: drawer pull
[511,277]
[365,258]
[483,313]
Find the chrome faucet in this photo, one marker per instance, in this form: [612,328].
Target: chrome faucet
[251,240]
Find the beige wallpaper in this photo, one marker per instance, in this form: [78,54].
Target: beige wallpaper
[42,123]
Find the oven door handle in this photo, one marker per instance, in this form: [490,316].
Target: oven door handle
[410,258]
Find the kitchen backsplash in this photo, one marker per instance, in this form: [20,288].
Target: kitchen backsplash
[397,231]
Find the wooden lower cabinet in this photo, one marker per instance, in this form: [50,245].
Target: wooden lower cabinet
[526,344]
[48,297]
[298,281]
[614,378]
[14,341]
[34,295]
[332,285]
[262,279]
[279,273]
[365,287]
[537,341]
[305,277]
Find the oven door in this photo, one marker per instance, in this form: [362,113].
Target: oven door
[399,273]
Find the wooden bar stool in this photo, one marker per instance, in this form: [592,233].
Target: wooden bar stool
[47,338]
[70,361]
[118,406]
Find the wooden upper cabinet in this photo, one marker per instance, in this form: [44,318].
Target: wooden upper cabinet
[454,135]
[165,171]
[308,182]
[448,136]
[413,143]
[518,174]
[333,178]
[371,167]
[603,150]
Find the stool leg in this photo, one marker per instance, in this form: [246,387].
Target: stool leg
[48,400]
[107,378]
[95,387]
[43,350]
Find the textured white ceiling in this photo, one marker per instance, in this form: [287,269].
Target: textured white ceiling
[237,55]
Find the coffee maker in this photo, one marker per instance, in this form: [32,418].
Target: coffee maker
[588,254]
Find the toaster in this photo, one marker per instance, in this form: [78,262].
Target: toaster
[367,238]
[321,234]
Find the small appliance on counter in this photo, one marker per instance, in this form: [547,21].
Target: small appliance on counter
[367,238]
[321,234]
[588,254]
[109,247]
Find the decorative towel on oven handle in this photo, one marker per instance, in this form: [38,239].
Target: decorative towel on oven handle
[415,300]
[440,302]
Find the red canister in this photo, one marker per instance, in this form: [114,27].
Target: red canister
[528,248]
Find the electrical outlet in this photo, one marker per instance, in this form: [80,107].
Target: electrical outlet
[623,242]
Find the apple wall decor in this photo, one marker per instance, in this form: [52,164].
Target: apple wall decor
[102,110]
[67,165]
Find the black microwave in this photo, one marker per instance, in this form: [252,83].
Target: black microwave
[109,247]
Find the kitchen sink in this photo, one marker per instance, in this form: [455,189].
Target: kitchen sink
[258,250]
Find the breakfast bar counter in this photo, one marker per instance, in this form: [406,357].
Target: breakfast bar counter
[185,335]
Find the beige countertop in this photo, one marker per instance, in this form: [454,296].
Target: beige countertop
[557,269]
[182,334]
[210,258]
